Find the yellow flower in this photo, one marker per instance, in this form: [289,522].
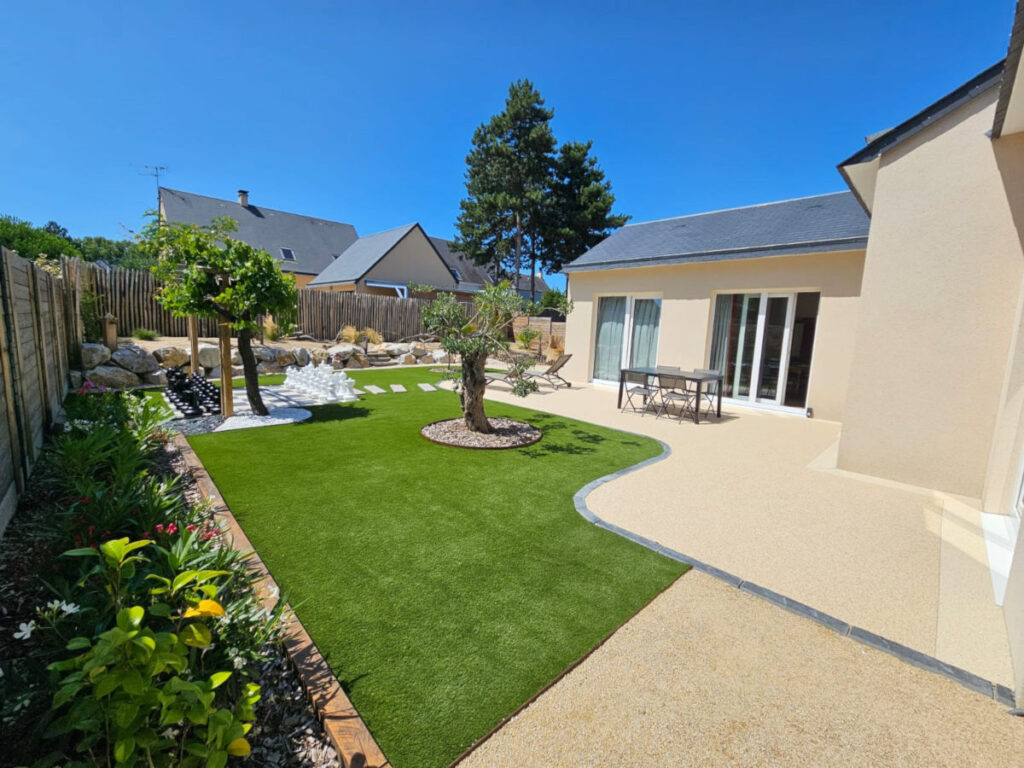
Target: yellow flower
[206,609]
[239,748]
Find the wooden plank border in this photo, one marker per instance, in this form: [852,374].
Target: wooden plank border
[344,727]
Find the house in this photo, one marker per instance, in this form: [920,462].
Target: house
[472,277]
[386,263]
[896,308]
[766,293]
[303,245]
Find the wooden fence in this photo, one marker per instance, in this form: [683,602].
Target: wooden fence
[34,363]
[322,314]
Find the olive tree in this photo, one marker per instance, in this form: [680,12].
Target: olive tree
[203,271]
[476,334]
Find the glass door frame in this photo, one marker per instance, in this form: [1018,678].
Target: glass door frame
[627,330]
[751,398]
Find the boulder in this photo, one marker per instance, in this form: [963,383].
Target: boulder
[134,358]
[265,367]
[209,355]
[407,359]
[418,349]
[265,354]
[301,355]
[236,357]
[396,349]
[156,378]
[214,373]
[76,379]
[343,351]
[112,377]
[320,356]
[94,354]
[357,360]
[285,357]
[440,357]
[171,357]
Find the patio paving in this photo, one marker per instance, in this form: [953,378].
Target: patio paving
[709,675]
[756,494]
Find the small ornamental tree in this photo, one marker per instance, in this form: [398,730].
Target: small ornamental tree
[205,272]
[474,336]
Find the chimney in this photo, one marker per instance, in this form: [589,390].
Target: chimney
[243,198]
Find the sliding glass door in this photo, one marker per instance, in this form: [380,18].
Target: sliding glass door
[752,343]
[626,335]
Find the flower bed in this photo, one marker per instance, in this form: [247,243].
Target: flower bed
[144,642]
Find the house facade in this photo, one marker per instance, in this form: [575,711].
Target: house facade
[918,326]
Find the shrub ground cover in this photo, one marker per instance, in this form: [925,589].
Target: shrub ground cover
[445,586]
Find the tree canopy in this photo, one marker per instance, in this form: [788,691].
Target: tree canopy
[203,271]
[47,243]
[526,204]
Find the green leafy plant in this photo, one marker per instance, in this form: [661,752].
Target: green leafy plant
[92,325]
[527,336]
[145,334]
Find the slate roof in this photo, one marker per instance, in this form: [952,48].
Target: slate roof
[473,277]
[832,222]
[360,257]
[315,242]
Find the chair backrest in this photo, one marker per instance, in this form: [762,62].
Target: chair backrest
[633,377]
[562,360]
[670,382]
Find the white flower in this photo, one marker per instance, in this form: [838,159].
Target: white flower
[69,608]
[239,662]
[169,733]
[53,605]
[25,630]
[275,592]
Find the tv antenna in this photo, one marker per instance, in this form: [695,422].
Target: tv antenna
[154,171]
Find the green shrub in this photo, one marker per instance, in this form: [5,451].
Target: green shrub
[145,334]
[92,325]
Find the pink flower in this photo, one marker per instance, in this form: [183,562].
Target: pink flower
[159,527]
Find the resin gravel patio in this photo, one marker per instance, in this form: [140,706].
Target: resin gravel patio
[445,586]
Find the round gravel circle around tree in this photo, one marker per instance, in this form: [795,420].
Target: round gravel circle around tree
[508,433]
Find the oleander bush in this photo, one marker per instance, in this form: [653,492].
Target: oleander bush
[142,641]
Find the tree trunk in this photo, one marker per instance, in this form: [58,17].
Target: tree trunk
[252,376]
[473,385]
[533,282]
[519,251]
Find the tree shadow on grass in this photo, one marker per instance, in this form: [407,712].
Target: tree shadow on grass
[545,448]
[336,412]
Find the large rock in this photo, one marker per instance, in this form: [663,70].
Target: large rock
[285,357]
[418,349]
[265,354]
[301,355]
[134,358]
[157,378]
[112,377]
[94,354]
[396,349]
[236,371]
[209,355]
[440,357]
[171,357]
[321,356]
[406,359]
[236,357]
[76,379]
[343,351]
[358,360]
[264,367]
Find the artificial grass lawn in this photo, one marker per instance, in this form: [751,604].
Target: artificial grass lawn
[445,586]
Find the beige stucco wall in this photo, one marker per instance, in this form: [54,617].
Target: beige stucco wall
[412,260]
[686,291]
[301,281]
[938,305]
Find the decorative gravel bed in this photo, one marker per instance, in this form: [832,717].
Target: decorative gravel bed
[197,426]
[508,433]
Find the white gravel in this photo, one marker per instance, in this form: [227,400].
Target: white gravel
[277,416]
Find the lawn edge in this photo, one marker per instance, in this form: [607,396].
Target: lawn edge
[342,723]
[578,500]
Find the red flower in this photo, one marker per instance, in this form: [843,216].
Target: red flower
[83,499]
[159,527]
[92,529]
[190,528]
[172,529]
[146,535]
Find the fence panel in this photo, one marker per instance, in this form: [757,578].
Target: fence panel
[34,366]
[322,314]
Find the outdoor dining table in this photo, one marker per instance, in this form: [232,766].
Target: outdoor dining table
[700,379]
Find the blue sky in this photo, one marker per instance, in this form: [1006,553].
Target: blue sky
[363,113]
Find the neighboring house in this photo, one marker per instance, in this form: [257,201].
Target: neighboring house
[472,277]
[766,293]
[917,322]
[386,263]
[303,245]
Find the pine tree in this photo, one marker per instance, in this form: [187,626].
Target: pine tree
[579,210]
[508,173]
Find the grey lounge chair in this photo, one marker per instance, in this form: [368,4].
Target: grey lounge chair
[551,375]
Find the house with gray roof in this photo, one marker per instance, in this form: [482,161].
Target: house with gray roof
[473,277]
[765,293]
[303,245]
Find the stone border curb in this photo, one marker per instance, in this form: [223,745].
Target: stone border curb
[987,688]
[344,727]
